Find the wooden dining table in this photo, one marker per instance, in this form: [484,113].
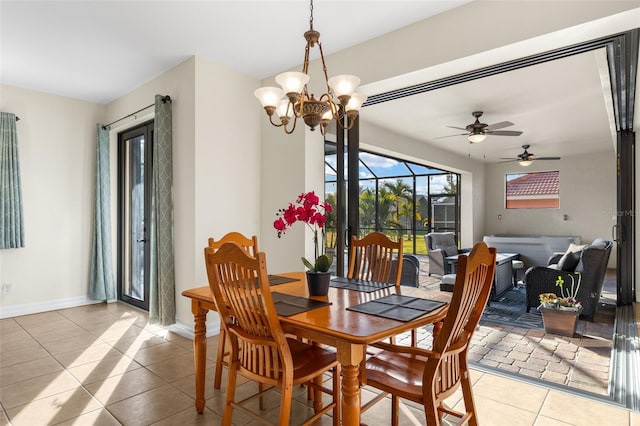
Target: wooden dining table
[347,331]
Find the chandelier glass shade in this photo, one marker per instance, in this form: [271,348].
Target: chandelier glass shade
[525,163]
[292,100]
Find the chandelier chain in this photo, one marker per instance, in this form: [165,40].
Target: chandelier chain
[311,15]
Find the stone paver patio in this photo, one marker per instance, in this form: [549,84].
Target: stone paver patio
[581,362]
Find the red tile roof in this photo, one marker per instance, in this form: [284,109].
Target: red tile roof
[538,183]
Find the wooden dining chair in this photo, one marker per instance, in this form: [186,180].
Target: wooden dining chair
[251,247]
[373,258]
[429,377]
[260,350]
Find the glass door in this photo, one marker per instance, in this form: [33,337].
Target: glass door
[134,196]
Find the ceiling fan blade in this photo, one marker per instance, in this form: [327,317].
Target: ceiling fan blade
[450,136]
[547,158]
[504,133]
[510,160]
[500,125]
[454,127]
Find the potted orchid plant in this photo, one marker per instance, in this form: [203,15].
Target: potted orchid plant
[308,209]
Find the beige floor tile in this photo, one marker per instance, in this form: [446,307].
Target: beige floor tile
[151,406]
[546,421]
[58,333]
[581,411]
[174,368]
[28,370]
[4,420]
[494,413]
[131,344]
[117,388]
[36,320]
[54,409]
[190,417]
[188,385]
[8,325]
[100,370]
[157,353]
[99,417]
[82,341]
[14,358]
[179,340]
[77,357]
[508,391]
[634,417]
[37,388]
[114,335]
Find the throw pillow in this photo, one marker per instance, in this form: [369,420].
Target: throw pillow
[575,247]
[450,250]
[569,261]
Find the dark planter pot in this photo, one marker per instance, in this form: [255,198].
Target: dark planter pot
[556,321]
[318,283]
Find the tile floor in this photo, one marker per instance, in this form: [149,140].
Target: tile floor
[106,365]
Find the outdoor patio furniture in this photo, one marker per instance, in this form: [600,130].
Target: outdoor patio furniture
[447,282]
[516,265]
[410,270]
[592,267]
[441,245]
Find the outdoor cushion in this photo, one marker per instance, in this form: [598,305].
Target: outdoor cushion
[569,261]
[451,250]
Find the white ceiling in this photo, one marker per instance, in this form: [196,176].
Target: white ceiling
[100,50]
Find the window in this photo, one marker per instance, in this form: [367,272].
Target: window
[537,190]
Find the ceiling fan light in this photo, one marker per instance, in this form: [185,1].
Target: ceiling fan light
[525,163]
[293,81]
[476,137]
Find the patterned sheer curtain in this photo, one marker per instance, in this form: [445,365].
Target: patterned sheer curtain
[162,302]
[11,215]
[101,281]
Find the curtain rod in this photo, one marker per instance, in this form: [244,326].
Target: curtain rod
[164,99]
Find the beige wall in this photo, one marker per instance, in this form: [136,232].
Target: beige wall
[57,140]
[587,197]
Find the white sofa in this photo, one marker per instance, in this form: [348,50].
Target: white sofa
[535,250]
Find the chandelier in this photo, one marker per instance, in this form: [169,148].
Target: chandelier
[293,101]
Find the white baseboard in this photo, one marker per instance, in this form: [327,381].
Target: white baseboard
[9,311]
[186,329]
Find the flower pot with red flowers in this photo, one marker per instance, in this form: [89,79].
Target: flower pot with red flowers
[309,210]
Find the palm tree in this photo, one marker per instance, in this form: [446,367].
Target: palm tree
[400,192]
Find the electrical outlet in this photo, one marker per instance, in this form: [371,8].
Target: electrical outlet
[7,288]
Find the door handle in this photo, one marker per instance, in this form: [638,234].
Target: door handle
[141,241]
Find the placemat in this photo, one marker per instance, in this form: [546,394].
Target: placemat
[358,285]
[398,307]
[277,279]
[287,305]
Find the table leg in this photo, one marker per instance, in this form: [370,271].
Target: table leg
[199,351]
[350,357]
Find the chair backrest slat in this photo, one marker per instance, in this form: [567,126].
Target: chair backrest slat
[372,258]
[474,277]
[240,288]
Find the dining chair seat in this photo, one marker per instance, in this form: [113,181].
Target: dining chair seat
[429,377]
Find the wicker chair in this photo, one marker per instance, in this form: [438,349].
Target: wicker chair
[592,267]
[440,245]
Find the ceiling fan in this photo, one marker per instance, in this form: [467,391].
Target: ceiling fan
[526,158]
[477,132]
